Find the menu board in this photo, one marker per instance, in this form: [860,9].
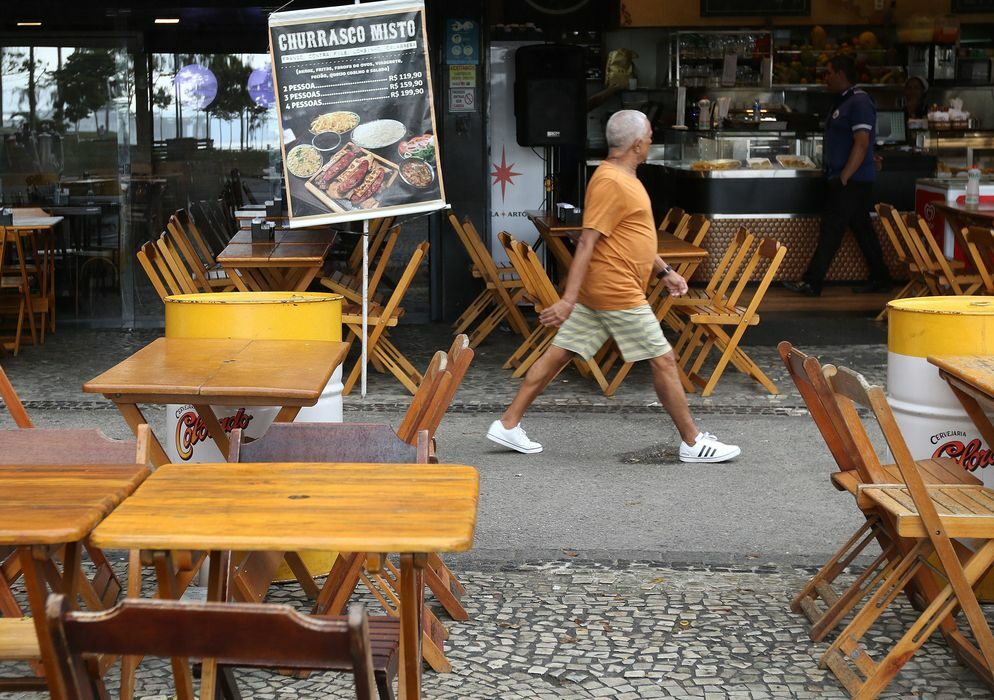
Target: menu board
[354,100]
[742,8]
[972,6]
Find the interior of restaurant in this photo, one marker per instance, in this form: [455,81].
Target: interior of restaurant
[114,115]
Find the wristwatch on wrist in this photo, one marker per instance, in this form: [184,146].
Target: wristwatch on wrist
[665,271]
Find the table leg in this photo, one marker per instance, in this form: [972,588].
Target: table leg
[133,416]
[214,428]
[19,249]
[129,664]
[287,414]
[411,601]
[307,276]
[34,583]
[236,279]
[974,410]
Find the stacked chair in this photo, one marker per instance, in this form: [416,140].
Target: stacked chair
[980,245]
[708,313]
[503,290]
[916,511]
[13,295]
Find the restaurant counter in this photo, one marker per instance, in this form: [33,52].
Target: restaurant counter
[781,203]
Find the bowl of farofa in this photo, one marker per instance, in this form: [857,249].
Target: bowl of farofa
[338,122]
[304,160]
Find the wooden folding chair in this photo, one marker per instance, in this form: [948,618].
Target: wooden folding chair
[211,223]
[541,289]
[930,518]
[350,286]
[823,605]
[378,230]
[345,442]
[941,276]
[892,224]
[707,321]
[235,634]
[13,296]
[158,271]
[182,275]
[379,318]
[675,222]
[980,245]
[207,275]
[498,302]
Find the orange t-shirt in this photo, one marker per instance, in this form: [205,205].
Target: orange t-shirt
[618,206]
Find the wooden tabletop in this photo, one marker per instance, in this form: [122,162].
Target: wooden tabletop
[549,223]
[984,210]
[274,254]
[256,372]
[408,508]
[286,235]
[975,370]
[672,248]
[34,222]
[54,504]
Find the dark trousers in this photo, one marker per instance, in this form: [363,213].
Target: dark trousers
[846,206]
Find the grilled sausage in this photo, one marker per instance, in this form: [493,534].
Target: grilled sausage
[335,167]
[351,177]
[369,186]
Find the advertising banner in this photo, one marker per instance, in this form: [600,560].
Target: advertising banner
[354,99]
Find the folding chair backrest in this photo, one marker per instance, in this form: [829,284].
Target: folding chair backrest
[728,267]
[696,229]
[545,291]
[802,368]
[185,250]
[329,442]
[773,253]
[234,634]
[193,232]
[890,220]
[841,395]
[158,271]
[936,258]
[13,402]
[216,233]
[471,248]
[71,446]
[459,359]
[426,394]
[856,389]
[674,221]
[390,238]
[182,275]
[378,229]
[915,245]
[980,244]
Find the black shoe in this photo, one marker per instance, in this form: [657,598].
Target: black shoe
[802,288]
[873,287]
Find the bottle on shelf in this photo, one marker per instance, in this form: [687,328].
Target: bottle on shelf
[973,186]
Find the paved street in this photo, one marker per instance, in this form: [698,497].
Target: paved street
[602,567]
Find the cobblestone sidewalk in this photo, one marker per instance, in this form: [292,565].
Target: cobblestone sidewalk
[622,630]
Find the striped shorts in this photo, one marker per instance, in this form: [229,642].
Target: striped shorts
[636,331]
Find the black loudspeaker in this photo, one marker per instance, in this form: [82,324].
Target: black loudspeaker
[550,95]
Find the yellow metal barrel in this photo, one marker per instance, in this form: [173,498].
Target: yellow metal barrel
[257,316]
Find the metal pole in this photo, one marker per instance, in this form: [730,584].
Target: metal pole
[365,296]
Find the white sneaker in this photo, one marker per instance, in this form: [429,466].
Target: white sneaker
[707,448]
[514,438]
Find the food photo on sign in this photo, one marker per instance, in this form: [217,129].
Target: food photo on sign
[353,92]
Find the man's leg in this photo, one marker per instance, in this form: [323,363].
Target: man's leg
[537,378]
[862,228]
[671,395]
[833,226]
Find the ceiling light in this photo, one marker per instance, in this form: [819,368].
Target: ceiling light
[29,24]
[167,20]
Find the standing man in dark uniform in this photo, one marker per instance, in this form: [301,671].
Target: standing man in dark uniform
[849,170]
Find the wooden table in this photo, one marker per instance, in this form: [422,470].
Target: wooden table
[34,236]
[413,509]
[49,510]
[961,216]
[225,372]
[271,267]
[971,377]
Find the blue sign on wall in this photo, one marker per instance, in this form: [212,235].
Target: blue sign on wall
[462,42]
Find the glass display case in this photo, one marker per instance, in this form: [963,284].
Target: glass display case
[801,54]
[722,58]
[956,151]
[760,154]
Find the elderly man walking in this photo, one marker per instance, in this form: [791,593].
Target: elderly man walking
[605,296]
